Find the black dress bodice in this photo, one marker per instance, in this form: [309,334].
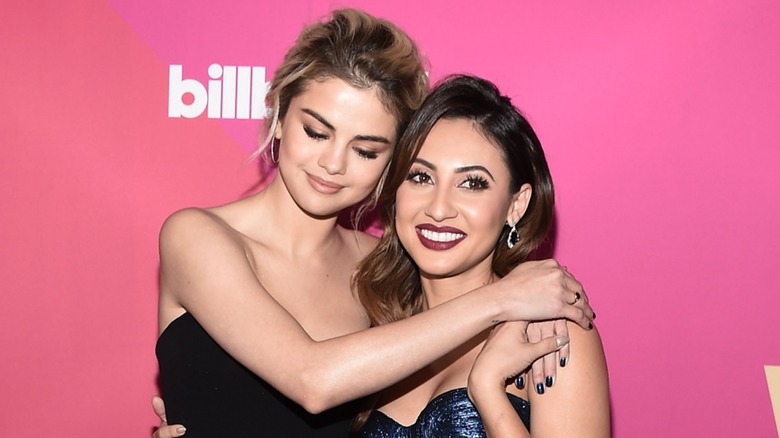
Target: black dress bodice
[213,395]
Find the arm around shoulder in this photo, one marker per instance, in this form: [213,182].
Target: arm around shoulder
[578,403]
[205,270]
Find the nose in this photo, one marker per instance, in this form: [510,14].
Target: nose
[333,159]
[441,206]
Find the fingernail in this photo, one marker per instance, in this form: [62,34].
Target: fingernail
[563,361]
[520,381]
[539,388]
[181,430]
[594,315]
[548,381]
[590,326]
[561,341]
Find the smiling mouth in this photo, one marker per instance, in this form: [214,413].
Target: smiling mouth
[324,186]
[441,237]
[439,240]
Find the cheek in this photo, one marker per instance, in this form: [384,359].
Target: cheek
[364,176]
[291,144]
[371,171]
[401,206]
[406,206]
[488,216]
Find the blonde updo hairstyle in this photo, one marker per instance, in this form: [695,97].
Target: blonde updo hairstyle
[363,51]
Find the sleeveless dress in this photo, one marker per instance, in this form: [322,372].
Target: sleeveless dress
[213,395]
[450,415]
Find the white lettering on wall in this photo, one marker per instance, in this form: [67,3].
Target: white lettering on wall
[234,92]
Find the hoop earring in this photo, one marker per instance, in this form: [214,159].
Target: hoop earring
[513,237]
[274,158]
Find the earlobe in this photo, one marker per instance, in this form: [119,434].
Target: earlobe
[278,130]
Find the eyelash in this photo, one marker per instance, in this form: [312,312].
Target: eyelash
[314,135]
[474,182]
[481,182]
[317,136]
[414,176]
[365,154]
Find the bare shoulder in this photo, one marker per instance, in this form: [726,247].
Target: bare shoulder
[192,228]
[196,242]
[190,242]
[587,345]
[585,373]
[578,403]
[187,220]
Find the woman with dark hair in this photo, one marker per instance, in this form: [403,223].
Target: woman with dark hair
[468,198]
[259,331]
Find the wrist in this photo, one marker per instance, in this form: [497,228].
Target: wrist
[485,393]
[481,385]
[494,308]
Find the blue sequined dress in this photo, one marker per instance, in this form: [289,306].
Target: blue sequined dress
[450,415]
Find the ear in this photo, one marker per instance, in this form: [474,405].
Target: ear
[278,130]
[519,205]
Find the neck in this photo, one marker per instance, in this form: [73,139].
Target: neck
[286,226]
[438,290]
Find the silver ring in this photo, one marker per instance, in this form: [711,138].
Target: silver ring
[577,297]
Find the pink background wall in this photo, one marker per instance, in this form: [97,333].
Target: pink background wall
[659,118]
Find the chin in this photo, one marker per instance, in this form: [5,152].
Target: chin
[438,271]
[323,213]
[324,206]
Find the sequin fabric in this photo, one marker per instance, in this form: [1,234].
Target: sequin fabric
[448,415]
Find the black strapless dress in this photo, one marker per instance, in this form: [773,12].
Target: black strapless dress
[213,395]
[450,415]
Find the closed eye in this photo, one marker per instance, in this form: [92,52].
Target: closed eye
[365,153]
[314,135]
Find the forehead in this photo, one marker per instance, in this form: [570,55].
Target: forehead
[347,108]
[458,141]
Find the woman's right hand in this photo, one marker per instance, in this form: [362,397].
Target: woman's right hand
[544,290]
[165,431]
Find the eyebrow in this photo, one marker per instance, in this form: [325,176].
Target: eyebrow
[321,119]
[463,169]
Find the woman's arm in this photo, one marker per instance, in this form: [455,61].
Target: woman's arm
[506,354]
[207,271]
[578,403]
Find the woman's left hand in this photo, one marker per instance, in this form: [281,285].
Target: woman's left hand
[507,353]
[544,369]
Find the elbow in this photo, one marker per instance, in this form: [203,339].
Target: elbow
[314,405]
[317,392]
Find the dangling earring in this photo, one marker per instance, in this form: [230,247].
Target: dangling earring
[513,237]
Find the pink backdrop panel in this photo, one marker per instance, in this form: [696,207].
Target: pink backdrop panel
[91,167]
[659,120]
